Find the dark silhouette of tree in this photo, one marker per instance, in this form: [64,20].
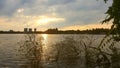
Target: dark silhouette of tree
[113,14]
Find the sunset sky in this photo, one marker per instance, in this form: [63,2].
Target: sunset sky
[44,14]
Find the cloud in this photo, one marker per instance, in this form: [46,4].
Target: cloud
[65,13]
[84,27]
[22,21]
[59,2]
[46,20]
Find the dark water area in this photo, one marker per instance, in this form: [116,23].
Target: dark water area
[50,51]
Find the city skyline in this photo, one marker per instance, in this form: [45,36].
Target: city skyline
[57,31]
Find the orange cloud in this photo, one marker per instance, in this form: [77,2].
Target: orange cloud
[84,27]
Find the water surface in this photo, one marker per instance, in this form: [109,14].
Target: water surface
[10,44]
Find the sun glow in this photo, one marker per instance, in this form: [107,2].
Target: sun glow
[89,26]
[45,20]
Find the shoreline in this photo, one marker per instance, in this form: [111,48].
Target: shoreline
[46,33]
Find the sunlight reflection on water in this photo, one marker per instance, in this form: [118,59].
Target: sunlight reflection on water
[45,46]
[45,38]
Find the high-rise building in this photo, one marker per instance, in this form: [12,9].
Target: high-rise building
[30,29]
[25,29]
[35,30]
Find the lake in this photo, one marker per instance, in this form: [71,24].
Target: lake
[53,46]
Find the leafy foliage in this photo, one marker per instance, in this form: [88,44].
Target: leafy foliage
[113,14]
